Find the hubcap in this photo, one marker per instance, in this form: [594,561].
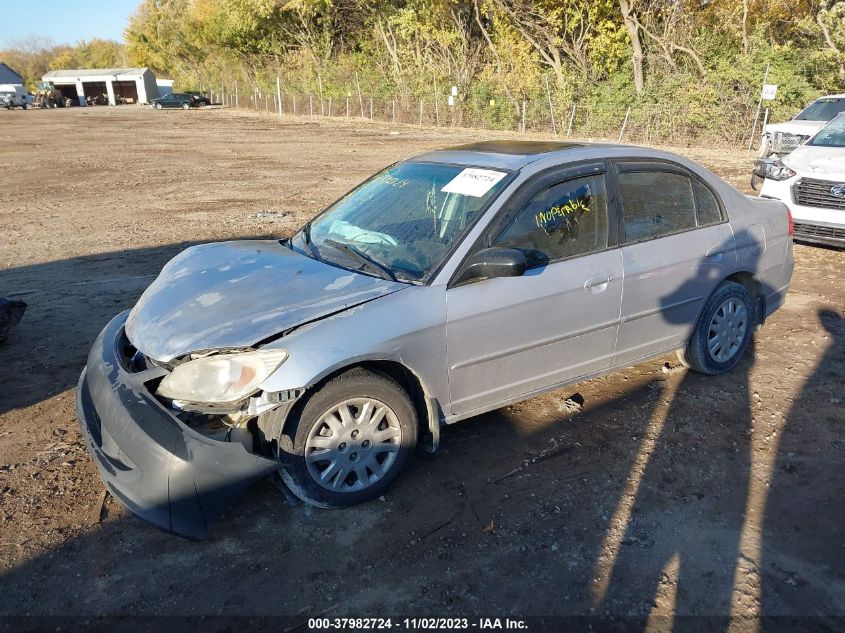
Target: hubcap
[353,445]
[727,330]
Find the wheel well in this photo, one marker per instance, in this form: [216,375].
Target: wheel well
[748,281]
[410,383]
[406,379]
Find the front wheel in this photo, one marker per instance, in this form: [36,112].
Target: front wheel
[722,332]
[350,441]
[185,106]
[159,106]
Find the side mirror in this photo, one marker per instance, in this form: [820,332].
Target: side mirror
[492,262]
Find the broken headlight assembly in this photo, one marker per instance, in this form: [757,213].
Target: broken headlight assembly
[222,378]
[772,169]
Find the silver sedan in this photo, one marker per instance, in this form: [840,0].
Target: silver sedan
[444,286]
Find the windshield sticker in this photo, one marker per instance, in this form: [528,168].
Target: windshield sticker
[473,182]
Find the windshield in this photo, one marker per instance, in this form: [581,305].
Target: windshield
[831,135]
[823,109]
[403,221]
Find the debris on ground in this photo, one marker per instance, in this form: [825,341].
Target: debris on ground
[271,215]
[573,404]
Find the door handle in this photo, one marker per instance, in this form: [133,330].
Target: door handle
[598,280]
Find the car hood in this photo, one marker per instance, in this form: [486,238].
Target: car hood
[827,162]
[802,128]
[234,294]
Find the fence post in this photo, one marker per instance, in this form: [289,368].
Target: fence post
[759,105]
[330,106]
[294,104]
[279,94]
[347,107]
[371,108]
[320,82]
[237,100]
[551,108]
[360,99]
[765,119]
[571,120]
[266,104]
[311,104]
[394,109]
[523,116]
[421,111]
[624,124]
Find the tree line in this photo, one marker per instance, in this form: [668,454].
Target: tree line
[706,57]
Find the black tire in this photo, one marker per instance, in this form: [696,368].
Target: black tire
[159,106]
[697,355]
[356,383]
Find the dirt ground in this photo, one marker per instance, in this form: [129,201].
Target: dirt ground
[669,493]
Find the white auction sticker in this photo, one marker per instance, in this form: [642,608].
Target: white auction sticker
[473,182]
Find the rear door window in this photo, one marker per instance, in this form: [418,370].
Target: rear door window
[560,221]
[656,203]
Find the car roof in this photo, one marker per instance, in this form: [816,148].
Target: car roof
[514,155]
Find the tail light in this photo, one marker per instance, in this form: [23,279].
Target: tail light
[789,219]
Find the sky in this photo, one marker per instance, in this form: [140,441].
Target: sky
[63,21]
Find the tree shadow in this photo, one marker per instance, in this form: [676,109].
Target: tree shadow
[804,517]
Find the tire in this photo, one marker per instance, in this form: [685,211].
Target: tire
[159,106]
[722,331]
[185,106]
[308,433]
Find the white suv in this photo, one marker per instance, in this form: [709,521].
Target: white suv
[782,138]
[811,182]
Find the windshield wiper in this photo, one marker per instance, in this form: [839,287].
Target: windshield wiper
[306,234]
[366,260]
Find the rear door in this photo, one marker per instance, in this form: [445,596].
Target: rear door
[510,337]
[677,247]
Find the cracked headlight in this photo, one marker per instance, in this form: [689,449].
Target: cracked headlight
[223,378]
[773,170]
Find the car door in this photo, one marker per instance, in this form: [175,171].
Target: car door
[510,337]
[677,247]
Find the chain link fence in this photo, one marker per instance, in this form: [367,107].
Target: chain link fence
[649,124]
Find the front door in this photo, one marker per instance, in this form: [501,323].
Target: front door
[510,337]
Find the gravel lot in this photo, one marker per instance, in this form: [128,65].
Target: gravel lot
[667,493]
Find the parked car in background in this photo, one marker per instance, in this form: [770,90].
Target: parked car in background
[444,286]
[13,96]
[811,182]
[782,138]
[179,100]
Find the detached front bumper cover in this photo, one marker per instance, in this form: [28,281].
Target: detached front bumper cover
[154,464]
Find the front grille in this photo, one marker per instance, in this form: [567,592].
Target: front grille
[814,230]
[784,142]
[816,193]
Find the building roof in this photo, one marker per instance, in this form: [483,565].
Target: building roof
[9,76]
[92,72]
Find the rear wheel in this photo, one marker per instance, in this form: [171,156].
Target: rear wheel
[350,440]
[158,106]
[185,106]
[722,332]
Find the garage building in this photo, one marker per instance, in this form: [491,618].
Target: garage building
[136,85]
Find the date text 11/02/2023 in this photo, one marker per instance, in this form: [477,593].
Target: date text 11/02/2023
[414,624]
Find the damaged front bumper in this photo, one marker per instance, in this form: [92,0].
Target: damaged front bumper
[152,462]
